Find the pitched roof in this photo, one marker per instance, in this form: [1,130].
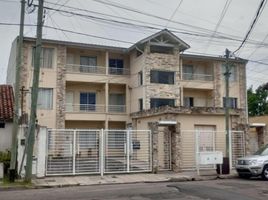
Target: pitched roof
[6,102]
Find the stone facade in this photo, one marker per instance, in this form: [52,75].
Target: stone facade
[164,62]
[61,87]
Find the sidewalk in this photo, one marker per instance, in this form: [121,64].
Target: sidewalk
[65,181]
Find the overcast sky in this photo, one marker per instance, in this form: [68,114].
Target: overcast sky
[206,18]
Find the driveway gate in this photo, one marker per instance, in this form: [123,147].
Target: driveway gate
[71,152]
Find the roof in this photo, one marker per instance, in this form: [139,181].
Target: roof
[202,57]
[183,45]
[6,102]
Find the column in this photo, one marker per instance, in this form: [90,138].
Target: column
[153,126]
[176,147]
[107,62]
[106,103]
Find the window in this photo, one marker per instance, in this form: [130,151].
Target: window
[46,57]
[161,49]
[116,66]
[140,104]
[116,103]
[2,124]
[87,101]
[163,77]
[45,99]
[188,101]
[88,64]
[232,102]
[188,72]
[157,102]
[88,61]
[140,78]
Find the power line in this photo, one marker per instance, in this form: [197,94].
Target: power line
[175,11]
[263,2]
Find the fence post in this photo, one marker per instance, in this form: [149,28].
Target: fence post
[128,148]
[74,150]
[102,152]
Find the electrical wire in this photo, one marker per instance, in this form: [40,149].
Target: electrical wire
[263,2]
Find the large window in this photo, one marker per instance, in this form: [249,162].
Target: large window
[45,99]
[116,103]
[47,56]
[188,72]
[88,64]
[157,102]
[232,102]
[116,66]
[87,101]
[163,77]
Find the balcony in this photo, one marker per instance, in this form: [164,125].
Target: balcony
[85,69]
[74,68]
[85,108]
[197,77]
[94,108]
[117,108]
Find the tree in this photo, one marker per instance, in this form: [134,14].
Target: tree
[257,101]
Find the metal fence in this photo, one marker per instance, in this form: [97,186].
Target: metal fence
[195,142]
[71,152]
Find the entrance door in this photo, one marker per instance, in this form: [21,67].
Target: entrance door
[164,148]
[69,102]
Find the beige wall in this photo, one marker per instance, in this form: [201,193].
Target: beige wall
[84,124]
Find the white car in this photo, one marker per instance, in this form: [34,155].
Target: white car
[255,165]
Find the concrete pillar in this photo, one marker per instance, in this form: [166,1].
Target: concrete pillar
[153,126]
[127,103]
[41,146]
[107,62]
[176,148]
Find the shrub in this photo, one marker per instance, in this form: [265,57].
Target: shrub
[5,157]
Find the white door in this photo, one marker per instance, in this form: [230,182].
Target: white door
[69,102]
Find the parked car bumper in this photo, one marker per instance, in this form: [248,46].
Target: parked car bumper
[249,170]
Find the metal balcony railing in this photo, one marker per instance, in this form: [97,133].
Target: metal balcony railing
[85,108]
[199,77]
[73,68]
[117,108]
[118,71]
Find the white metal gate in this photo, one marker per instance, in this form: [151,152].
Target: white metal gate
[71,152]
[237,146]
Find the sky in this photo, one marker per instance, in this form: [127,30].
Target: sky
[203,24]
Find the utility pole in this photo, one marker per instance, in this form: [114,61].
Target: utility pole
[12,170]
[34,93]
[227,75]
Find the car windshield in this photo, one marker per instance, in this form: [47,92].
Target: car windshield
[262,151]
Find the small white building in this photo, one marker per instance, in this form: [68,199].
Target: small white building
[6,116]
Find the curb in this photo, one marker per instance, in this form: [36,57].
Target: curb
[180,179]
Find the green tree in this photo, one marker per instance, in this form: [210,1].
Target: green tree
[257,101]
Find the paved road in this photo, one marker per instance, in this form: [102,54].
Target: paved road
[217,190]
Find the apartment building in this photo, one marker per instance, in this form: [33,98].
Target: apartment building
[86,86]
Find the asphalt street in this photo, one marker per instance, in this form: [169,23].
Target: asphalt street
[236,189]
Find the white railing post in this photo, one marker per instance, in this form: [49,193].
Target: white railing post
[101,152]
[74,150]
[128,150]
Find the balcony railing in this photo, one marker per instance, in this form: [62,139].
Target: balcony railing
[73,68]
[85,108]
[117,108]
[198,77]
[118,71]
[81,108]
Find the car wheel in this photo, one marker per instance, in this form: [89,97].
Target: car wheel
[265,173]
[245,176]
